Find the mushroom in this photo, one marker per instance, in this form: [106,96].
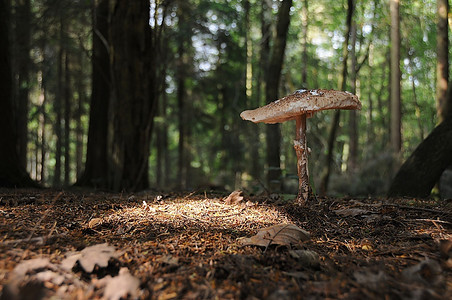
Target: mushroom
[301,105]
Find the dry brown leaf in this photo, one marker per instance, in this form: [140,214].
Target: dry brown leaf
[234,198]
[122,286]
[89,257]
[281,234]
[95,222]
[30,265]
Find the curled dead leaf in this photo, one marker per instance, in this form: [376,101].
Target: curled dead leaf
[234,198]
[122,286]
[95,222]
[281,234]
[91,256]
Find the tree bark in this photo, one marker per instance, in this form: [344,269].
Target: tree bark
[12,172]
[133,95]
[442,66]
[342,86]
[184,38]
[423,168]
[271,92]
[22,41]
[67,119]
[304,38]
[396,126]
[58,109]
[353,114]
[95,173]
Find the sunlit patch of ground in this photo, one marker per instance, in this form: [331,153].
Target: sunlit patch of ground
[186,245]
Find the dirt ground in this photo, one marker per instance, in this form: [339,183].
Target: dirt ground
[188,246]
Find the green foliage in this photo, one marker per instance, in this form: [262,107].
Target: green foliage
[214,35]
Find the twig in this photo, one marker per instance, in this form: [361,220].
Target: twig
[434,221]
[44,215]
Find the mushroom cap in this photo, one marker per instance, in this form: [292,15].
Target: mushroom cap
[301,102]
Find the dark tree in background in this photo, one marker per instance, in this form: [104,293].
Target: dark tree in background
[271,90]
[442,66]
[22,50]
[422,170]
[12,172]
[95,173]
[133,94]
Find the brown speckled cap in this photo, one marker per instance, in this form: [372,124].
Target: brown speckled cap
[301,102]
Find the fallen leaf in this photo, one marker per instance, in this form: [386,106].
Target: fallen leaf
[96,222]
[122,286]
[91,256]
[282,234]
[30,265]
[234,198]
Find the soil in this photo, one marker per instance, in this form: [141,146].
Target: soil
[189,246]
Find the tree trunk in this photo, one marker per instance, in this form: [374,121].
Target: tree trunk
[78,118]
[353,114]
[12,172]
[184,37]
[342,86]
[22,41]
[442,67]
[304,34]
[133,95]
[423,168]
[396,126]
[58,109]
[95,173]
[67,119]
[271,92]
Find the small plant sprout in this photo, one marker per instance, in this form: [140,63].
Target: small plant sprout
[299,106]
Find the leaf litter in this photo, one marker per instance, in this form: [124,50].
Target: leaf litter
[192,246]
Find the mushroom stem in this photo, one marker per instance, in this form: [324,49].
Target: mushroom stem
[302,159]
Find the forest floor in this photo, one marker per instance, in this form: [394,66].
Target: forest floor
[93,245]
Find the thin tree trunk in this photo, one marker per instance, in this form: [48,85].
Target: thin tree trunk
[415,102]
[304,39]
[396,126]
[67,119]
[442,66]
[271,92]
[264,53]
[342,86]
[42,133]
[370,108]
[184,39]
[95,173]
[22,40]
[79,126]
[353,114]
[58,109]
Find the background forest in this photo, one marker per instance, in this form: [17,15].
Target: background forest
[104,98]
